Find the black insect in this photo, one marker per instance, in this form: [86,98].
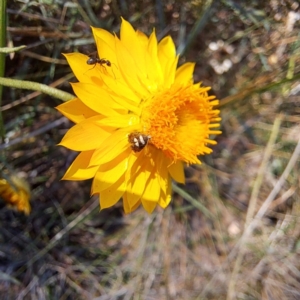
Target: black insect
[96,60]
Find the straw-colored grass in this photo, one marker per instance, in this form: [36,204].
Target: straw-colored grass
[232,232]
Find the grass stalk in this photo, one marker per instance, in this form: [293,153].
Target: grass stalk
[2,56]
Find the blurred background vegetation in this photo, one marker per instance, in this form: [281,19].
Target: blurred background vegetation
[245,245]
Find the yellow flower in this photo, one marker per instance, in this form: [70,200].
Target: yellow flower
[138,119]
[15,192]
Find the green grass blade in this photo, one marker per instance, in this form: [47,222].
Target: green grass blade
[2,55]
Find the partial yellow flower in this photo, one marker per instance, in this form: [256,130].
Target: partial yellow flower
[15,192]
[138,119]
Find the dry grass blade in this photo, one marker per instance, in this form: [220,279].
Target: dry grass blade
[203,18]
[92,205]
[259,215]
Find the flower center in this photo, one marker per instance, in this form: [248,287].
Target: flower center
[179,121]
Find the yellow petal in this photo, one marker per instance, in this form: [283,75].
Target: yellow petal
[127,103]
[152,190]
[111,147]
[120,121]
[168,60]
[122,90]
[129,69]
[127,208]
[106,36]
[110,172]
[184,74]
[79,169]
[131,42]
[97,99]
[15,191]
[136,177]
[149,206]
[113,194]
[153,66]
[82,71]
[162,171]
[143,182]
[173,67]
[165,198]
[75,110]
[23,204]
[176,170]
[105,42]
[143,40]
[107,51]
[86,135]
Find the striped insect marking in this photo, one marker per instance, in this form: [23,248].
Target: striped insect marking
[138,141]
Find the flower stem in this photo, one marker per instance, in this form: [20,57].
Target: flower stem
[30,85]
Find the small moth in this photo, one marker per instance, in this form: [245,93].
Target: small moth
[138,141]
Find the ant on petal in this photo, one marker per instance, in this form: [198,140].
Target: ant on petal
[94,60]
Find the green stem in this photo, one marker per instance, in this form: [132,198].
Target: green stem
[192,200]
[197,28]
[30,85]
[10,50]
[2,56]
